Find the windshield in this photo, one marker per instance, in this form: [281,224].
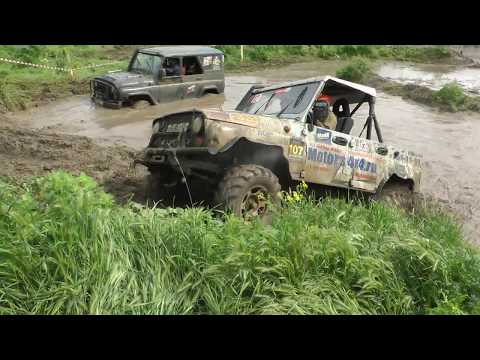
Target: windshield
[286,101]
[146,63]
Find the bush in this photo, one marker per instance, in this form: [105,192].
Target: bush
[451,95]
[65,248]
[354,71]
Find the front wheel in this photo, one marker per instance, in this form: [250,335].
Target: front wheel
[246,189]
[163,190]
[141,104]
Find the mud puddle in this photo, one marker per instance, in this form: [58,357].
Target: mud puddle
[433,76]
[448,142]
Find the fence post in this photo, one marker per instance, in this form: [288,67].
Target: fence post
[241,53]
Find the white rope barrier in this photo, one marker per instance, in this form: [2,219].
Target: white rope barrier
[18,62]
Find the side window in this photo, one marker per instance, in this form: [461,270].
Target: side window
[191,66]
[172,66]
[212,62]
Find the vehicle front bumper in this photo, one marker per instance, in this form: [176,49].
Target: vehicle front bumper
[111,104]
[166,156]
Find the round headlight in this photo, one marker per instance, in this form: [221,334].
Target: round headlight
[197,125]
[156,127]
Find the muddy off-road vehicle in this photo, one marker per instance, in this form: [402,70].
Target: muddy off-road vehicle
[162,74]
[270,143]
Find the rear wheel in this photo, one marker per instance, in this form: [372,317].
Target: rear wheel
[209,94]
[246,189]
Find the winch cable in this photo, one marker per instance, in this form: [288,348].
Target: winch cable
[184,177]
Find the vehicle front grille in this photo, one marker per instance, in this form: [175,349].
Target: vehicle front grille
[102,90]
[174,131]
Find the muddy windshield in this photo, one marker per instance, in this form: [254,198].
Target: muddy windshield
[147,64]
[282,102]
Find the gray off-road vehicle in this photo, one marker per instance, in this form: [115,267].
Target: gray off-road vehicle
[162,74]
[270,142]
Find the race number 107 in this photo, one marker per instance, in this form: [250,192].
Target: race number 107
[295,149]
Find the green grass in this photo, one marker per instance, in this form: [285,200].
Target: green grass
[67,248]
[264,54]
[454,99]
[451,95]
[356,70]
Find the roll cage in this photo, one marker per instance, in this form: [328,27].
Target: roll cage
[337,89]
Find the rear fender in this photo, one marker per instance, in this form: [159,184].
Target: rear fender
[397,179]
[211,89]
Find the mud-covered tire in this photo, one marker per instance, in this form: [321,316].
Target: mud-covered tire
[397,194]
[241,187]
[141,104]
[209,94]
[157,192]
[153,191]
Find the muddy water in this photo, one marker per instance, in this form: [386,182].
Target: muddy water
[433,76]
[448,142]
[450,147]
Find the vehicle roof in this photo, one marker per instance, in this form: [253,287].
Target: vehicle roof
[335,87]
[182,50]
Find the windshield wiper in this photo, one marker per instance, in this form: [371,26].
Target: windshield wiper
[297,101]
[285,108]
[266,103]
[300,97]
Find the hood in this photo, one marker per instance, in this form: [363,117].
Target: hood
[126,79]
[237,117]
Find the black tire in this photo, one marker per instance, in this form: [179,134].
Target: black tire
[397,194]
[157,191]
[239,191]
[141,104]
[153,191]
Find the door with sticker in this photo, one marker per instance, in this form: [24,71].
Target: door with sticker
[327,153]
[366,160]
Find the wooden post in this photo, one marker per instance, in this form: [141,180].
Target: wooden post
[241,53]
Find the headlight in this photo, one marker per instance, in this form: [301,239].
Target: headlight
[197,125]
[156,127]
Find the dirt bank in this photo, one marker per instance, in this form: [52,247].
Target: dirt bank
[25,153]
[418,93]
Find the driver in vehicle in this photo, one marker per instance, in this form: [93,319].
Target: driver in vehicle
[172,67]
[322,116]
